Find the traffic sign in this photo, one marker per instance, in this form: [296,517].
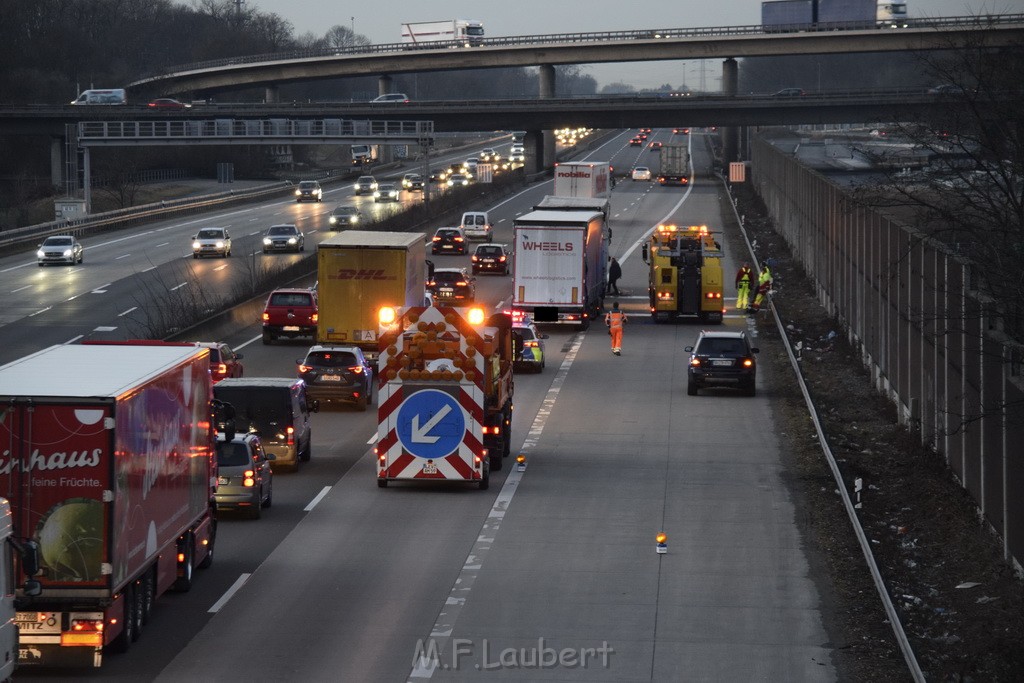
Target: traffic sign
[430,424]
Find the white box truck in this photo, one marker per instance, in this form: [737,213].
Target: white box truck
[559,273]
[465,32]
[582,179]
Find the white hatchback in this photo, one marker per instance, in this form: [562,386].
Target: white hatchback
[641,173]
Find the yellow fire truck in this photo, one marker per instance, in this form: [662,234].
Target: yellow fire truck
[685,277]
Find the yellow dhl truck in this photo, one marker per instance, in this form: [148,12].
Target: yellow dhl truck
[685,273]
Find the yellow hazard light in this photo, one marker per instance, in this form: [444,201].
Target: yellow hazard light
[661,538]
[387,315]
[520,458]
[520,463]
[475,316]
[662,543]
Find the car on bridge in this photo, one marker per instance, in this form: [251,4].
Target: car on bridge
[391,97]
[790,92]
[167,103]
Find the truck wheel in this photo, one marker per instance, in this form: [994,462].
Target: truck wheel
[485,483]
[495,458]
[186,546]
[208,560]
[124,639]
[382,483]
[148,586]
[138,608]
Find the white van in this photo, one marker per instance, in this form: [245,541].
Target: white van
[114,96]
[477,225]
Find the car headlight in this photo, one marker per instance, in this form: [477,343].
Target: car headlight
[298,192]
[220,244]
[332,220]
[197,245]
[267,241]
[293,240]
[40,254]
[376,195]
[354,219]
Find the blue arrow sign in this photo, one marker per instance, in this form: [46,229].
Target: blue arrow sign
[430,424]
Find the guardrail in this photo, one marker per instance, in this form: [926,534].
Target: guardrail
[111,220]
[962,22]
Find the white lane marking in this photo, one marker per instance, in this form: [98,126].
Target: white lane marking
[74,339]
[163,244]
[320,496]
[15,291]
[42,311]
[149,269]
[102,289]
[221,266]
[444,626]
[179,286]
[239,582]
[255,233]
[372,439]
[251,341]
[104,328]
[127,312]
[118,258]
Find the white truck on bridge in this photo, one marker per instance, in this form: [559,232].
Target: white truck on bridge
[467,32]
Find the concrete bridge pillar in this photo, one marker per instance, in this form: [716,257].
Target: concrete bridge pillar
[271,94]
[730,134]
[384,84]
[57,162]
[533,147]
[546,159]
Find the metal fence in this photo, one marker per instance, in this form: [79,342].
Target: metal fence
[932,343]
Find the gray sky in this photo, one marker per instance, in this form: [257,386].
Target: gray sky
[380,22]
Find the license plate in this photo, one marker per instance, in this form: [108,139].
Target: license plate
[31,617]
[290,328]
[331,378]
[447,290]
[489,261]
[447,246]
[223,481]
[721,362]
[430,468]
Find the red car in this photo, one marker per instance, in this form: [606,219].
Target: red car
[655,145]
[224,362]
[680,131]
[168,103]
[290,312]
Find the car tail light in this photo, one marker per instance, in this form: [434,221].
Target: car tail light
[458,239]
[249,479]
[531,344]
[461,284]
[266,317]
[748,362]
[290,432]
[314,318]
[431,283]
[357,369]
[475,258]
[502,259]
[436,238]
[305,368]
[695,362]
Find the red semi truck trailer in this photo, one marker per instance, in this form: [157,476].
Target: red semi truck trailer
[107,458]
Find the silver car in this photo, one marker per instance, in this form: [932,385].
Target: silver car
[211,242]
[59,249]
[284,237]
[245,480]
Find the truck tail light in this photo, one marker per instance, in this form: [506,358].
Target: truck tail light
[290,433]
[87,625]
[492,430]
[222,369]
[665,296]
[713,295]
[314,318]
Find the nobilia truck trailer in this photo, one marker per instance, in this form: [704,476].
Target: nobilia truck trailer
[466,32]
[361,271]
[111,470]
[559,273]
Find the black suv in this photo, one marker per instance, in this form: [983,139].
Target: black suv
[337,373]
[449,241]
[722,358]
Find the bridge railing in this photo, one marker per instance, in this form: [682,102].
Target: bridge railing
[97,131]
[968,21]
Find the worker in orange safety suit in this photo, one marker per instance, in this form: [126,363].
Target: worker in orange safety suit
[615,319]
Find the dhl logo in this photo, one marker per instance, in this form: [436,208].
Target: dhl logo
[362,274]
